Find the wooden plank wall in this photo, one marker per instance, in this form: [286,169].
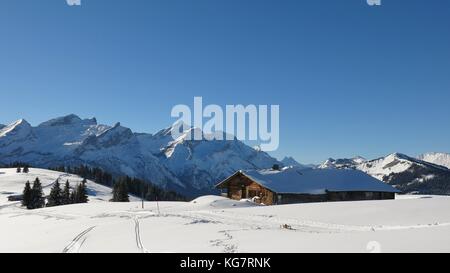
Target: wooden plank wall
[241,184]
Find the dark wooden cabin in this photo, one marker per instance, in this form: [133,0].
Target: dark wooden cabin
[291,185]
[18,197]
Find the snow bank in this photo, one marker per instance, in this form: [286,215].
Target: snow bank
[218,202]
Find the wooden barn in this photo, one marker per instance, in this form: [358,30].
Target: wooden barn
[292,185]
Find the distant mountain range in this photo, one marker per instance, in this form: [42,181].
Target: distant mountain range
[436,158]
[427,174]
[187,166]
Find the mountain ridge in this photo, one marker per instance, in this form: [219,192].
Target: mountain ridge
[184,165]
[406,173]
[290,161]
[442,159]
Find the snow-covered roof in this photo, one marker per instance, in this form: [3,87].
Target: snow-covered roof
[316,181]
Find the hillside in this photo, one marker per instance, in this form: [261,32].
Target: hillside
[12,183]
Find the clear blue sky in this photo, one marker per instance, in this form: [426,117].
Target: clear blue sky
[350,79]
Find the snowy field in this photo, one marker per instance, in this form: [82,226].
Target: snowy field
[216,224]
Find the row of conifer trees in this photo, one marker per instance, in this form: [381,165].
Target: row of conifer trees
[25,169]
[34,198]
[121,184]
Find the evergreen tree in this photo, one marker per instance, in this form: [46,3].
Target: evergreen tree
[124,196]
[79,194]
[55,198]
[26,169]
[74,197]
[38,199]
[117,191]
[82,192]
[120,192]
[19,170]
[66,194]
[27,196]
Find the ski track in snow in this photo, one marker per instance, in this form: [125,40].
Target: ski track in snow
[137,228]
[77,242]
[137,231]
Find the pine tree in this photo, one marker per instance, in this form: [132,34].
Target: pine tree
[74,197]
[27,196]
[120,192]
[38,199]
[82,192]
[79,194]
[26,169]
[55,198]
[66,194]
[19,170]
[125,197]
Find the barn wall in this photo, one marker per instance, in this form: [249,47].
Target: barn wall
[387,195]
[332,196]
[291,198]
[359,196]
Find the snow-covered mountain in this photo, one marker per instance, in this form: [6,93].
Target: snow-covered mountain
[442,159]
[290,161]
[342,163]
[185,165]
[404,172]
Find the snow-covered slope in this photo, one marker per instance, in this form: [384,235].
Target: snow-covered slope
[405,173]
[342,163]
[188,166]
[385,166]
[442,159]
[214,224]
[12,183]
[17,132]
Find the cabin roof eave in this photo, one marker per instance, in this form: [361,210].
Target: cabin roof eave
[222,184]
